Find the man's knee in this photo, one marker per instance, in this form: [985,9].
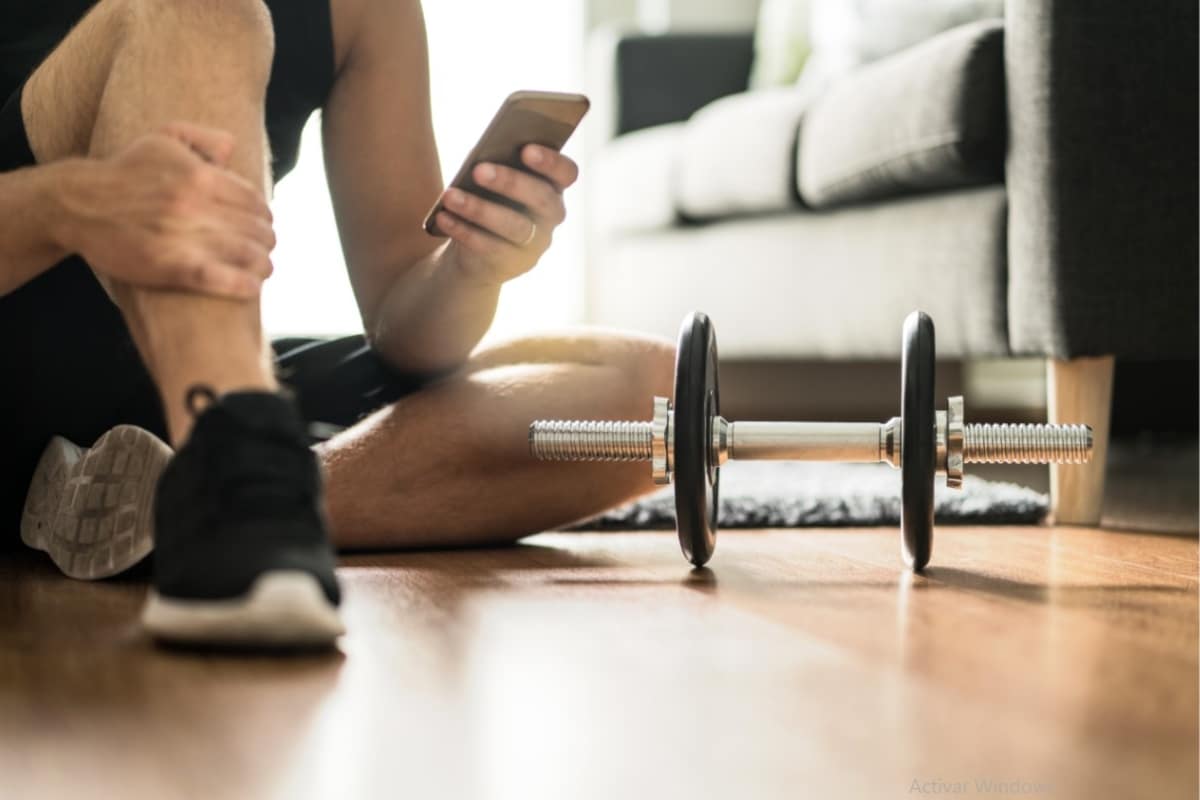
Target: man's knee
[240,31]
[657,367]
[646,369]
[240,26]
[60,103]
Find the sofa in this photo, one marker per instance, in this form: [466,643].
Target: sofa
[1029,181]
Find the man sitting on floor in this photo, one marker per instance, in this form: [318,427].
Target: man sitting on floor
[138,141]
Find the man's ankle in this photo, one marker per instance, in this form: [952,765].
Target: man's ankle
[187,402]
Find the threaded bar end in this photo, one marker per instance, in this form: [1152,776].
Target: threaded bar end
[1027,444]
[569,440]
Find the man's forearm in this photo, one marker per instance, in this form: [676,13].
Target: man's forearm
[31,216]
[433,316]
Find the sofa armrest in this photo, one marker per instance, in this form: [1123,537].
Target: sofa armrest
[1101,175]
[648,80]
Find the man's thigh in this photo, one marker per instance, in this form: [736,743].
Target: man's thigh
[588,373]
[62,96]
[642,358]
[338,382]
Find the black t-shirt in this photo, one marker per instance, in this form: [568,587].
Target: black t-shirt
[301,76]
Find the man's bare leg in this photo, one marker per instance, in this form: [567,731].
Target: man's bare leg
[242,552]
[451,466]
[127,69]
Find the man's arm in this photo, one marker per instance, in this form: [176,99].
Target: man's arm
[31,206]
[383,171]
[164,213]
[425,302]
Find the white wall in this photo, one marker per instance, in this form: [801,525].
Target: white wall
[480,50]
[661,15]
[609,12]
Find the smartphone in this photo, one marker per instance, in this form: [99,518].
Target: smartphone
[545,118]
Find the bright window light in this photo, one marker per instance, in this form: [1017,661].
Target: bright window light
[480,51]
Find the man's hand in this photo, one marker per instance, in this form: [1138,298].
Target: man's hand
[165,213]
[496,243]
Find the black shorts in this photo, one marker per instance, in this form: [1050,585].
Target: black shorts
[68,366]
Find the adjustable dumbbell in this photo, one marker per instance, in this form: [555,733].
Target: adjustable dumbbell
[687,442]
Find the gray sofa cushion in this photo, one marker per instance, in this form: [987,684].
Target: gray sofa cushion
[930,117]
[736,155]
[834,284]
[632,181]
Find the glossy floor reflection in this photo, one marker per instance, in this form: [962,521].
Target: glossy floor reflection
[803,663]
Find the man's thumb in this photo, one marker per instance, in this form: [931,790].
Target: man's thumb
[211,144]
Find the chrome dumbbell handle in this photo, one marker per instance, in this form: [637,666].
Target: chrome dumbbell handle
[801,441]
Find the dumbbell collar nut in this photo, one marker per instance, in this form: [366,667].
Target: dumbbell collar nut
[661,441]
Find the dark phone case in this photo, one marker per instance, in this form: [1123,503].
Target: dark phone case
[524,118]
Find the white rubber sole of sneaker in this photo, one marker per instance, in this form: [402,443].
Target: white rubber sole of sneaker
[284,608]
[92,510]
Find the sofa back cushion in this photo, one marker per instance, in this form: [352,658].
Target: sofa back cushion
[930,117]
[736,156]
[631,184]
[844,35]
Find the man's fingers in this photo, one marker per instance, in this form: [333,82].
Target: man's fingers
[561,170]
[476,240]
[234,190]
[216,278]
[493,217]
[243,252]
[236,222]
[536,194]
[212,144]
[216,147]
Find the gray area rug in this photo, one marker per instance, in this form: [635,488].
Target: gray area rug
[785,494]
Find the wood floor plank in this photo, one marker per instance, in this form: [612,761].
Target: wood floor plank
[802,663]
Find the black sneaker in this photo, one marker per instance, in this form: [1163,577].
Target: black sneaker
[242,557]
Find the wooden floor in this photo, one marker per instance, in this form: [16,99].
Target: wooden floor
[1057,662]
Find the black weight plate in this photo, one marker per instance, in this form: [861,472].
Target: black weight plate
[918,431]
[697,403]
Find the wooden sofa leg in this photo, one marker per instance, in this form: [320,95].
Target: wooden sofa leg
[1080,390]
